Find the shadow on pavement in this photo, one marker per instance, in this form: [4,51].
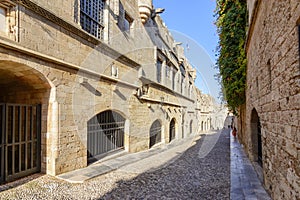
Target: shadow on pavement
[189,176]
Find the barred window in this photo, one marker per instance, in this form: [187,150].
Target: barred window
[91,17]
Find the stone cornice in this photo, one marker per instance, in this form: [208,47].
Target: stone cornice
[16,47]
[76,30]
[145,98]
[145,80]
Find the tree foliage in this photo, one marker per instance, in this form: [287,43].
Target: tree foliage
[231,21]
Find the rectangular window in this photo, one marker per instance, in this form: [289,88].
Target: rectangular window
[91,17]
[173,78]
[168,71]
[124,20]
[2,19]
[182,85]
[190,89]
[182,70]
[158,71]
[127,23]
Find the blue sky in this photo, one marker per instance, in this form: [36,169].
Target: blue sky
[192,23]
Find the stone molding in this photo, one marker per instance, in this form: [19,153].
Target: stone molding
[15,47]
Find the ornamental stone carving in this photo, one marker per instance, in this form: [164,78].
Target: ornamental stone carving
[145,8]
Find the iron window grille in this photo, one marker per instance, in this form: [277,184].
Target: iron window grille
[91,17]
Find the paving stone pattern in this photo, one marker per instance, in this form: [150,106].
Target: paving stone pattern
[244,181]
[188,177]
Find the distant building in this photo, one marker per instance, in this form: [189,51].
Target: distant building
[210,114]
[80,80]
[271,129]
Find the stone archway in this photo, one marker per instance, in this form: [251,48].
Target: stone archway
[256,137]
[24,98]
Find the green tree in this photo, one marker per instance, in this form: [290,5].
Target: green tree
[231,22]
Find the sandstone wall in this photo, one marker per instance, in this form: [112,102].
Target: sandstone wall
[273,90]
[70,73]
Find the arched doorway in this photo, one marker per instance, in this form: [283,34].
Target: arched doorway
[256,137]
[172,129]
[105,134]
[155,133]
[202,126]
[23,93]
[191,126]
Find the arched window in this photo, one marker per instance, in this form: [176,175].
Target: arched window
[105,133]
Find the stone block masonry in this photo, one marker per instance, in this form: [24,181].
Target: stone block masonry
[76,76]
[273,95]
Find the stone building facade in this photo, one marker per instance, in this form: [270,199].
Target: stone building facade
[81,79]
[210,114]
[271,129]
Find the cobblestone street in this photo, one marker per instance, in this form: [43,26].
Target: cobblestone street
[193,175]
[189,177]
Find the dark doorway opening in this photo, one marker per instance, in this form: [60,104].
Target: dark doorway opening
[155,133]
[256,138]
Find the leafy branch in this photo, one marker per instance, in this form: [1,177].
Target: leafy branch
[231,25]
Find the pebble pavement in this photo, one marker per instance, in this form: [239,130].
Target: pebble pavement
[192,175]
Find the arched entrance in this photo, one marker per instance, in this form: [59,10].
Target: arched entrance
[105,134]
[23,93]
[202,126]
[172,129]
[155,133]
[256,137]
